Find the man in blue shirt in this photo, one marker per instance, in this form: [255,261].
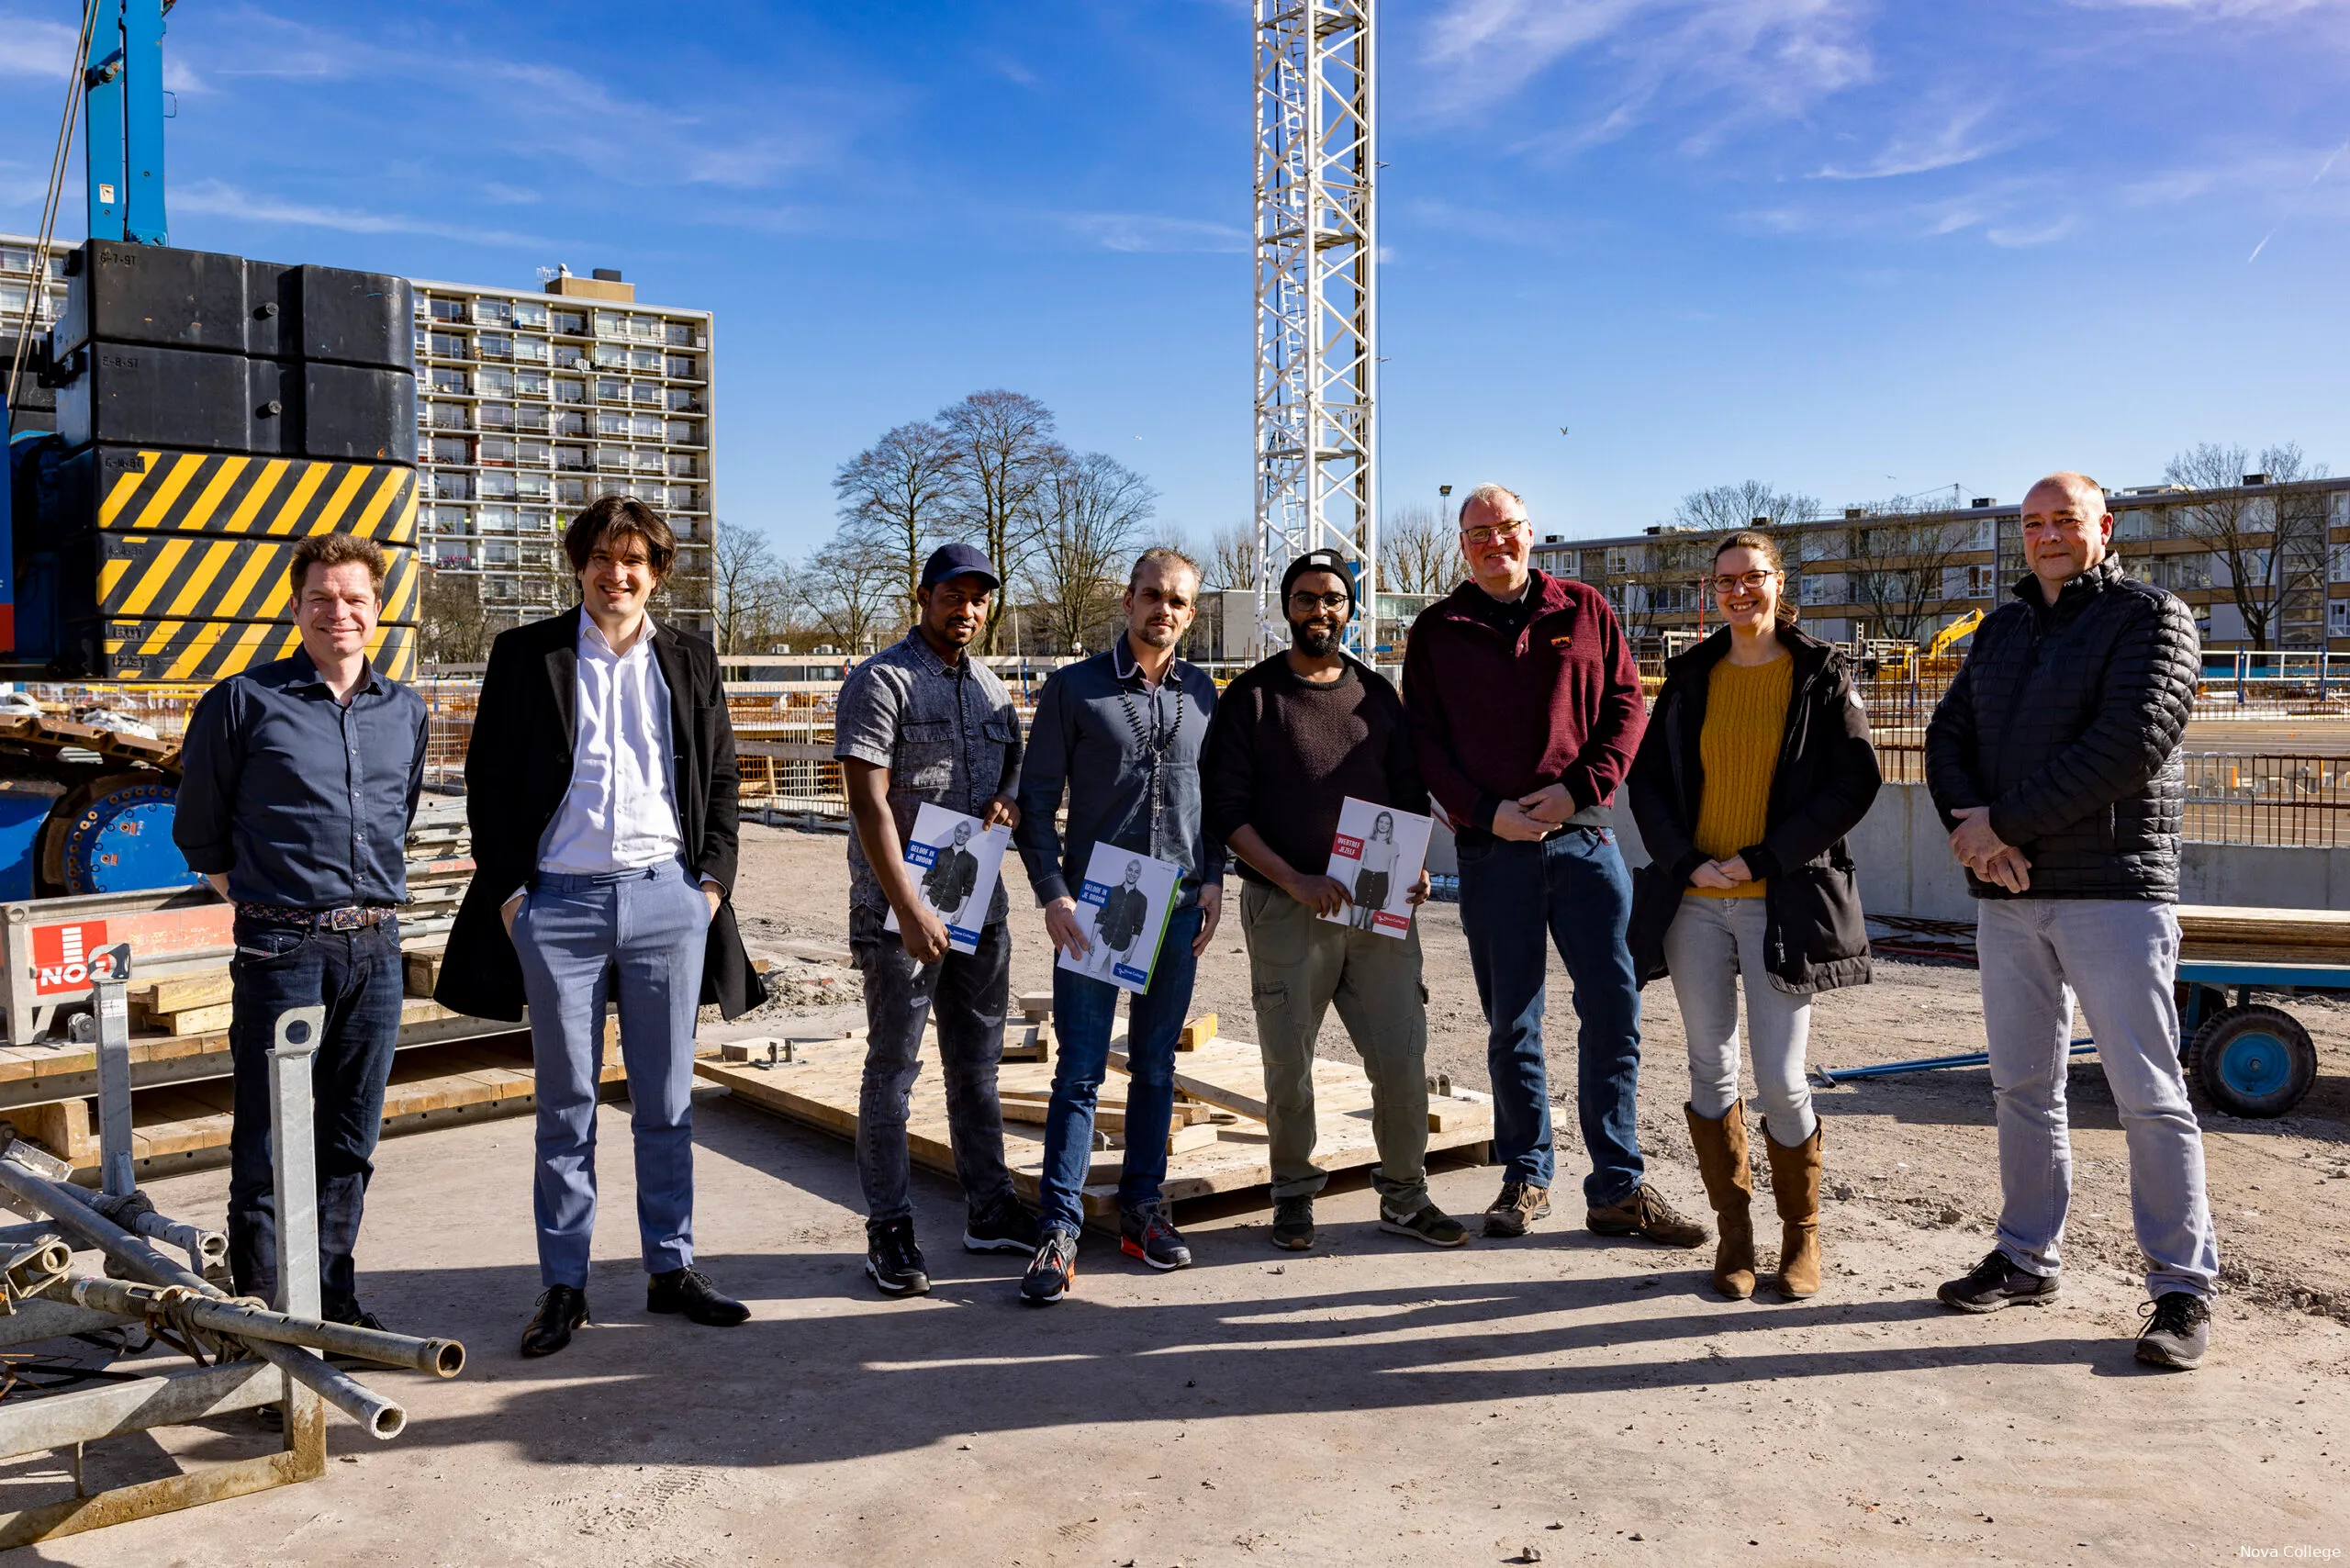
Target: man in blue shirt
[1120,734]
[299,781]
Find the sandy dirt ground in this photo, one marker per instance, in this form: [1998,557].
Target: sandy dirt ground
[1561,1398]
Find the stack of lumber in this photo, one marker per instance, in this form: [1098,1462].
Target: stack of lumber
[1218,1143]
[2224,933]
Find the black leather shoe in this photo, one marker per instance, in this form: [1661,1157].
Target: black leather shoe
[687,1291]
[561,1309]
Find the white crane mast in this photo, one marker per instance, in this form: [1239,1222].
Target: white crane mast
[1317,258]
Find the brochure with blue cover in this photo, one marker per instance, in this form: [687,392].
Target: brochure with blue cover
[1123,907]
[958,862]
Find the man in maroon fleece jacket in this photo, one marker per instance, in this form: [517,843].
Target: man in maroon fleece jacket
[1526,710]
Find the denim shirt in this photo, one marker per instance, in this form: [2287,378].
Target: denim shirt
[303,801]
[948,735]
[1089,738]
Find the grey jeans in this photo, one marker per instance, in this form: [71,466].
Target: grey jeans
[968,992]
[1712,945]
[2119,956]
[1299,967]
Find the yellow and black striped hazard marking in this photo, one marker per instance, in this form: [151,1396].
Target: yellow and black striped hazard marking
[205,651]
[183,577]
[190,492]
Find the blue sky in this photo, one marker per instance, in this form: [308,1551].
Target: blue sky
[1851,249]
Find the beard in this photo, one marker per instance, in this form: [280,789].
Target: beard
[1316,643]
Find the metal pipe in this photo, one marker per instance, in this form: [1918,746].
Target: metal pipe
[443,1357]
[381,1418]
[203,1248]
[32,1230]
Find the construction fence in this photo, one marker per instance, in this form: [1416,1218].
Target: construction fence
[2289,798]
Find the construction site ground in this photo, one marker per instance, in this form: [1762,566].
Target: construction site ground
[1551,1399]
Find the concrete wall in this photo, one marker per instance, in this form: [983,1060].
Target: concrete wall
[1905,864]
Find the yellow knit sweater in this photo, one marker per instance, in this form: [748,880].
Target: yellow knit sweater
[1746,719]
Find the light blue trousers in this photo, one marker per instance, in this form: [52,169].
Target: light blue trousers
[635,937]
[2118,957]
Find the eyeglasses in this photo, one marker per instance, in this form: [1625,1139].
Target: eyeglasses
[1499,530]
[1302,600]
[1751,581]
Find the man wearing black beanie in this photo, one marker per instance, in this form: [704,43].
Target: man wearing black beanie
[1291,740]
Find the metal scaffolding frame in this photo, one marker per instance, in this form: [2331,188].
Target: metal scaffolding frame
[1317,257]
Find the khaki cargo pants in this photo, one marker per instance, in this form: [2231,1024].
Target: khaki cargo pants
[1298,966]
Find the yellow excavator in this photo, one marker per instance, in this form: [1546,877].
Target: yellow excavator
[1956,632]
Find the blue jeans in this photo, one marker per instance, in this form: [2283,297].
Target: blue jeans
[578,937]
[1573,885]
[1083,1011]
[356,977]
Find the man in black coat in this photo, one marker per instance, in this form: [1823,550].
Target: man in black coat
[2054,759]
[600,786]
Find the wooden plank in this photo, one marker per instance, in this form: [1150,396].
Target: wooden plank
[204,988]
[821,1090]
[62,1127]
[1196,1033]
[212,1020]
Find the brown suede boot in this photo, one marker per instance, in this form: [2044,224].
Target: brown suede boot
[1729,1187]
[1795,1185]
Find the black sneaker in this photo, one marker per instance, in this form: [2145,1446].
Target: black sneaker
[1144,1232]
[1051,1272]
[893,1259]
[2178,1331]
[1428,1223]
[1004,1225]
[1294,1223]
[1996,1282]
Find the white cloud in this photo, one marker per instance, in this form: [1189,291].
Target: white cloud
[39,50]
[1954,142]
[218,199]
[1767,59]
[1149,231]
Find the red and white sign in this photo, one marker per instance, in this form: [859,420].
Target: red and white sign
[64,951]
[68,957]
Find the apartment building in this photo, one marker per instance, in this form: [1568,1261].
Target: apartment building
[530,403]
[1904,575]
[19,276]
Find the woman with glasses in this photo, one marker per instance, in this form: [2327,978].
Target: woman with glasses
[1755,765]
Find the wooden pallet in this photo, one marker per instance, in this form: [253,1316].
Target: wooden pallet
[189,1124]
[820,1087]
[2227,933]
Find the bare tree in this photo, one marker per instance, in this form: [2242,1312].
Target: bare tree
[1900,562]
[750,588]
[1662,581]
[2235,524]
[1233,558]
[851,588]
[1724,508]
[455,628]
[902,488]
[1090,512]
[1418,552]
[1001,443]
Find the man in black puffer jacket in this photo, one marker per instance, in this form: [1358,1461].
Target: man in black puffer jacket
[2054,759]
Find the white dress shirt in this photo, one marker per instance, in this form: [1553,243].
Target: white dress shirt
[620,811]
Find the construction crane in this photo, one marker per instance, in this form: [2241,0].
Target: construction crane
[1317,240]
[187,419]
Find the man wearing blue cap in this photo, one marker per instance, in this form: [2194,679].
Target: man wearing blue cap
[918,722]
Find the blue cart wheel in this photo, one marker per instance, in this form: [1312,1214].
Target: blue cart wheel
[2253,1060]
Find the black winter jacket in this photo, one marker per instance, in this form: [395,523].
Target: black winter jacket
[2066,722]
[517,769]
[1815,938]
